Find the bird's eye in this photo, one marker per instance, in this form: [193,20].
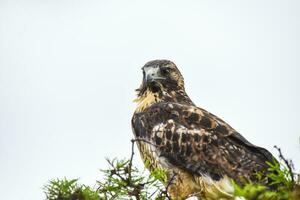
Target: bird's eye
[165,71]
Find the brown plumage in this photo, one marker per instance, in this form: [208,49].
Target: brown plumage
[203,151]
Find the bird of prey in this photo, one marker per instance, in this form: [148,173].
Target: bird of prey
[200,152]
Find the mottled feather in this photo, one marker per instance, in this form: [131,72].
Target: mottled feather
[203,151]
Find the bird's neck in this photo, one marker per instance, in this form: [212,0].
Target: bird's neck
[148,98]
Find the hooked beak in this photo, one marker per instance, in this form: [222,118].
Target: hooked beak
[152,74]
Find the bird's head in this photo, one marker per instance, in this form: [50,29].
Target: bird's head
[162,81]
[159,76]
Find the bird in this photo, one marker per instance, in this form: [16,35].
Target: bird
[201,154]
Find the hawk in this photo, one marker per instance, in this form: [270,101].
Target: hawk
[200,152]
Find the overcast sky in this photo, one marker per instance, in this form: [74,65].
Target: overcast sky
[68,70]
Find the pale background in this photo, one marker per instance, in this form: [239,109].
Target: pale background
[68,70]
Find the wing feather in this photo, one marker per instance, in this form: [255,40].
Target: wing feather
[199,142]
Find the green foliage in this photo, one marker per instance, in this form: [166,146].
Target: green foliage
[250,190]
[122,180]
[68,189]
[280,176]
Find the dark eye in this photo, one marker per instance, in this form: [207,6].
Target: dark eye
[165,71]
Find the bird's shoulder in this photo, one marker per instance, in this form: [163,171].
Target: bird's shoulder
[198,141]
[189,116]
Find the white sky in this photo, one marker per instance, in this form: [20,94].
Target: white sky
[68,70]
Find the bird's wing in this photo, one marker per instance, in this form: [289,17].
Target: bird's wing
[197,141]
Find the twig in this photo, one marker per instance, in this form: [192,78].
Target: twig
[132,154]
[171,180]
[116,172]
[288,163]
[165,192]
[169,184]
[131,158]
[143,140]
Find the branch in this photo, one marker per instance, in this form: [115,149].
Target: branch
[288,163]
